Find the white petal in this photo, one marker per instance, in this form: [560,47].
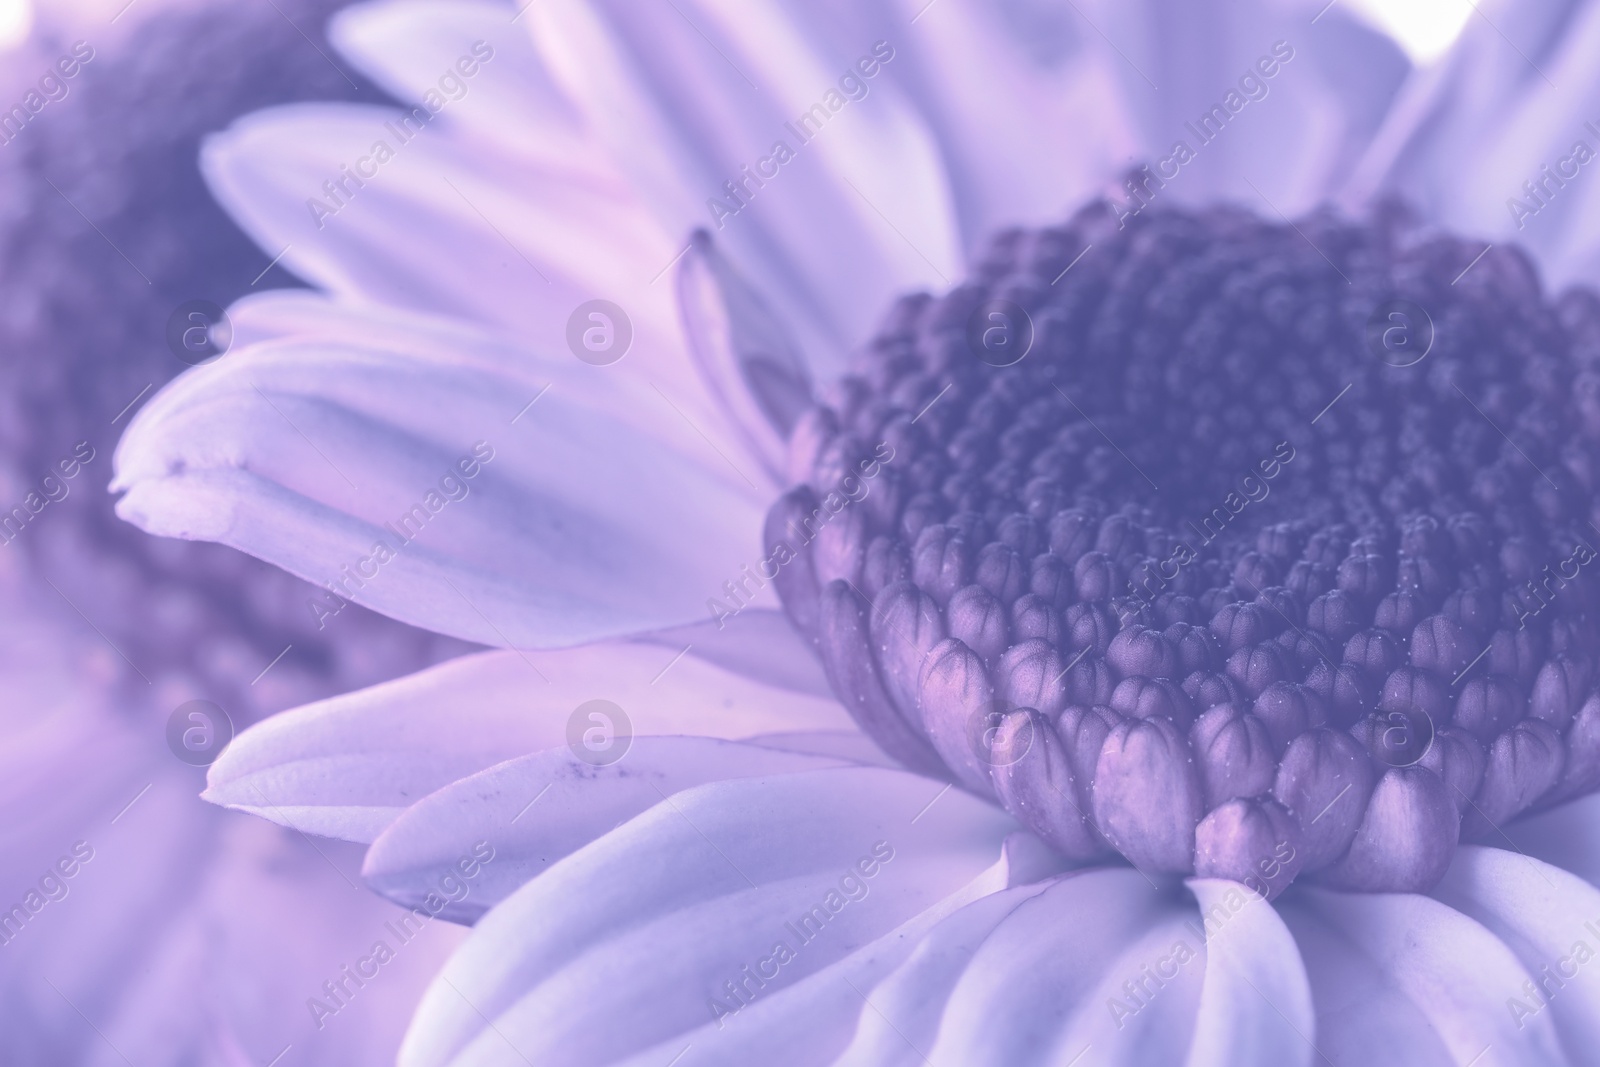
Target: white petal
[1255,1007]
[447,227]
[348,766]
[686,95]
[509,101]
[1512,97]
[1567,837]
[1296,141]
[845,746]
[755,642]
[810,1022]
[1040,990]
[907,1007]
[647,923]
[1551,920]
[279,314]
[744,351]
[535,809]
[988,78]
[586,524]
[1403,980]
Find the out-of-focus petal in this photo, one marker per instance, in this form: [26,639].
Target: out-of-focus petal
[410,47]
[160,929]
[519,502]
[1512,97]
[686,95]
[348,766]
[1293,135]
[649,922]
[988,78]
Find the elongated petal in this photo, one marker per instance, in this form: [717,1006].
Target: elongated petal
[1258,94]
[758,643]
[535,809]
[1567,837]
[1046,985]
[368,205]
[346,767]
[1548,918]
[907,1008]
[1255,1005]
[1470,140]
[703,886]
[516,503]
[1400,978]
[687,96]
[986,79]
[743,350]
[410,46]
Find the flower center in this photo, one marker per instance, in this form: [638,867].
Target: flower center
[1236,549]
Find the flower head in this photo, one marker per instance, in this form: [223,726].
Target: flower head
[1168,794]
[1233,485]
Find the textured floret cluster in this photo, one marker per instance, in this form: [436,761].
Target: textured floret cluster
[1206,580]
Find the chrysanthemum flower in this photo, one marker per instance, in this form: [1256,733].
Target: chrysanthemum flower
[1201,598]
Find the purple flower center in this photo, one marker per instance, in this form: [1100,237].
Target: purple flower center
[1179,552]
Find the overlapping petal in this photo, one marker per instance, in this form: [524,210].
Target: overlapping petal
[348,766]
[535,809]
[518,501]
[648,941]
[1487,141]
[658,919]
[1276,102]
[687,96]
[1401,978]
[1551,920]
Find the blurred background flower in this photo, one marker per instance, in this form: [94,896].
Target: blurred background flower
[188,937]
